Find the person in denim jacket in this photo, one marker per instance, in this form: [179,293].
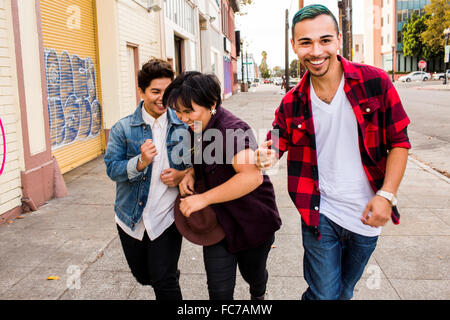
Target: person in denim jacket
[143,158]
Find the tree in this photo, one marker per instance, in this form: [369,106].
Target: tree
[244,4]
[411,39]
[266,74]
[263,66]
[439,19]
[293,69]
[277,71]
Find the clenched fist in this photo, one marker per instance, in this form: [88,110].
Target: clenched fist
[172,177]
[265,158]
[148,153]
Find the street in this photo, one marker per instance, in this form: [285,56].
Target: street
[429,112]
[75,238]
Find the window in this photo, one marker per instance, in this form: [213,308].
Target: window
[357,47]
[180,12]
[388,19]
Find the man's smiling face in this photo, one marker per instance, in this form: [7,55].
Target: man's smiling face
[316,44]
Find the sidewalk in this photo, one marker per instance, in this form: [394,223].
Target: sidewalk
[77,235]
[438,87]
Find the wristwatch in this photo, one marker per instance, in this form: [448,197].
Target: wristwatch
[388,196]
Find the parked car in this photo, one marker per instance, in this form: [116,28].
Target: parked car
[293,82]
[440,76]
[415,76]
[278,81]
[266,81]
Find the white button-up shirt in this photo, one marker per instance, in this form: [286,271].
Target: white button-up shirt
[158,212]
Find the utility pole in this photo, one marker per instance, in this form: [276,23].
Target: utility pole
[286,52]
[300,69]
[345,19]
[446,58]
[349,13]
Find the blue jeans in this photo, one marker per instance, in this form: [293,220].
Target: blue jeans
[333,265]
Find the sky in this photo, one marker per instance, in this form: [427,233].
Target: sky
[264,24]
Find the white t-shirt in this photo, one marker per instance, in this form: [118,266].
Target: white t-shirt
[343,184]
[158,212]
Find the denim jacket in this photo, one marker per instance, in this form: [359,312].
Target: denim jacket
[121,157]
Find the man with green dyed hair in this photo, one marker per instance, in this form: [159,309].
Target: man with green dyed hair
[345,130]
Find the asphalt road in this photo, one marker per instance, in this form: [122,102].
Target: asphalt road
[429,131]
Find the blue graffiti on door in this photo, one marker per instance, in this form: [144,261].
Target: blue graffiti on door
[73,108]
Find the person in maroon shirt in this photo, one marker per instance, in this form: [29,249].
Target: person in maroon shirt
[242,198]
[335,256]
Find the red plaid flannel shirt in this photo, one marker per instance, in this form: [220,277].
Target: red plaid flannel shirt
[382,125]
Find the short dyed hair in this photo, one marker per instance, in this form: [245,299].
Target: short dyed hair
[154,69]
[193,86]
[311,12]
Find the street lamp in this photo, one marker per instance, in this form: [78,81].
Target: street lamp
[446,57]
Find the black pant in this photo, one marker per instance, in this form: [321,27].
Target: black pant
[221,265]
[155,262]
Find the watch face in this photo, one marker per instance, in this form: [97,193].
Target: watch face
[394,201]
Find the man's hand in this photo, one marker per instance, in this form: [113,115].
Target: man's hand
[192,204]
[265,157]
[172,177]
[148,153]
[377,212]
[187,183]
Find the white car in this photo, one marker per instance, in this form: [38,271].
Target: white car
[415,76]
[440,76]
[278,81]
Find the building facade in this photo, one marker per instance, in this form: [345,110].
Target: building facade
[358,48]
[68,72]
[383,35]
[210,38]
[372,32]
[229,8]
[249,70]
[123,49]
[11,143]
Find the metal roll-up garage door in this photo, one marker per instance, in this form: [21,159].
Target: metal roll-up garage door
[73,85]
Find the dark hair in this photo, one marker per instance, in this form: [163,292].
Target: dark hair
[193,86]
[310,12]
[154,69]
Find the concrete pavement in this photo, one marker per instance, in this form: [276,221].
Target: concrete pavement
[75,239]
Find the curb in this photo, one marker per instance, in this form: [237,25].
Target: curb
[428,169]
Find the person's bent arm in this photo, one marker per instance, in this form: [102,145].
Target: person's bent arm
[379,207]
[246,179]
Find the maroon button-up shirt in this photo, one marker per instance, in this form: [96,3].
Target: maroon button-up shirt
[382,125]
[252,219]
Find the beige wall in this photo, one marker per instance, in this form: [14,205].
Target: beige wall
[372,32]
[10,182]
[32,76]
[121,22]
[358,48]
